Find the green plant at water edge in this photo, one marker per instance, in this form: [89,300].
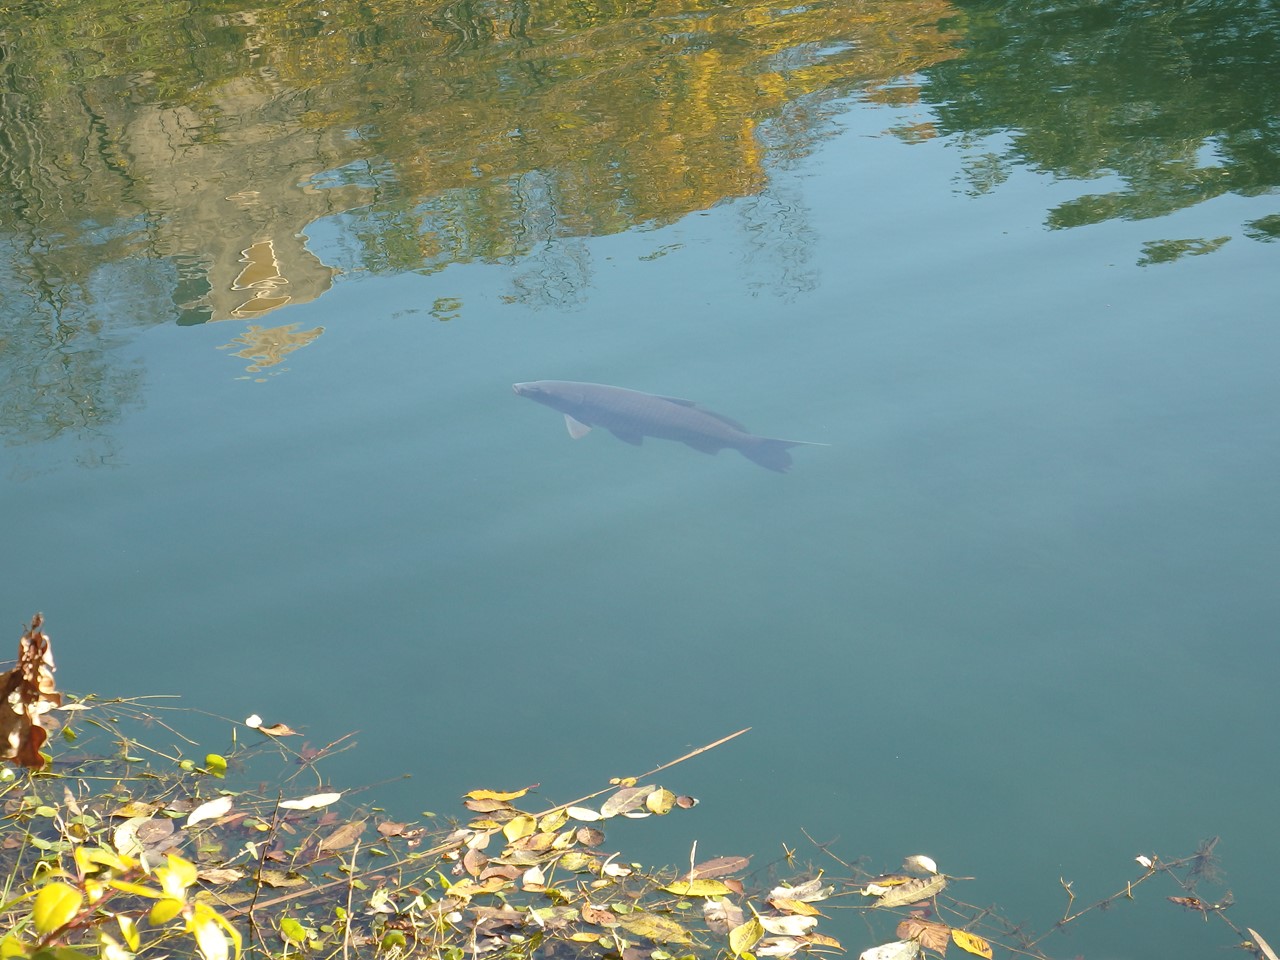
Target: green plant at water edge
[116,847]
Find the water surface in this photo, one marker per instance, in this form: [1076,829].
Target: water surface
[266,293]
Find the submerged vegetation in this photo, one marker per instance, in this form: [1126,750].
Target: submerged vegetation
[117,847]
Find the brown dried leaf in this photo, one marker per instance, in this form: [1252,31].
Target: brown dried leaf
[486,805]
[27,693]
[279,730]
[600,916]
[389,828]
[931,935]
[344,836]
[720,866]
[280,878]
[589,836]
[474,862]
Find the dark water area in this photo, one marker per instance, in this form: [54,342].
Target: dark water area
[269,275]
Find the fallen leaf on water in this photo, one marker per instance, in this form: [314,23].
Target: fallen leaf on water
[897,950]
[344,836]
[822,940]
[626,800]
[912,891]
[313,802]
[697,888]
[794,906]
[221,875]
[660,801]
[474,862]
[745,936]
[600,916]
[27,693]
[931,935]
[919,864]
[1261,944]
[135,808]
[1191,903]
[653,927]
[585,814]
[279,730]
[974,944]
[720,866]
[211,810]
[685,803]
[789,926]
[280,878]
[533,879]
[721,916]
[807,892]
[499,794]
[486,805]
[777,946]
[517,827]
[589,836]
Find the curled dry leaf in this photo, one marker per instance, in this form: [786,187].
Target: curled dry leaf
[931,935]
[777,947]
[221,875]
[279,730]
[27,693]
[1263,947]
[920,864]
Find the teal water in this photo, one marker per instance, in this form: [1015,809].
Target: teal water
[1019,615]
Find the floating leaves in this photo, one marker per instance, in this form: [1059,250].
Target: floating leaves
[697,888]
[745,936]
[27,693]
[929,934]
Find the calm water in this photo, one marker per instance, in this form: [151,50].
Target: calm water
[263,298]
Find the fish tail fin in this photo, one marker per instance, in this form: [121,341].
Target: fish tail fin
[769,453]
[772,454]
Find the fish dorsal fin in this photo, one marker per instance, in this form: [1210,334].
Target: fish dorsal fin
[577,429]
[710,413]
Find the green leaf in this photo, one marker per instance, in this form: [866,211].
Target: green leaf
[292,930]
[215,764]
[56,904]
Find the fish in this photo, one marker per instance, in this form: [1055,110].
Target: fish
[631,416]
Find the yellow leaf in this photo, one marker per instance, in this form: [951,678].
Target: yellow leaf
[795,906]
[176,877]
[163,912]
[56,904]
[660,801]
[967,941]
[517,827]
[497,794]
[11,947]
[742,938]
[554,820]
[655,928]
[129,927]
[210,940]
[698,888]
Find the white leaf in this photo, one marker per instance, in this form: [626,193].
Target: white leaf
[897,950]
[1144,861]
[254,721]
[533,877]
[805,892]
[920,864]
[313,802]
[211,810]
[585,814]
[790,926]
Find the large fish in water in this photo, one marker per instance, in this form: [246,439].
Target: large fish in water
[631,416]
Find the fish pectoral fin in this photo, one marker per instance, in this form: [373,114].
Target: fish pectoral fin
[577,429]
[635,439]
